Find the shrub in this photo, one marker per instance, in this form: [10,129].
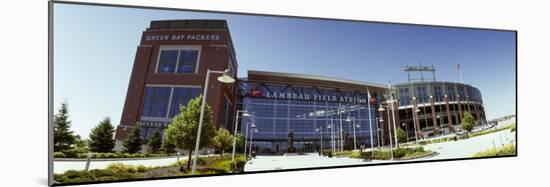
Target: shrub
[361,155]
[222,167]
[118,167]
[382,155]
[71,174]
[59,155]
[60,177]
[238,164]
[343,154]
[101,172]
[71,153]
[142,168]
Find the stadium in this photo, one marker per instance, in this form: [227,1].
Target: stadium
[282,112]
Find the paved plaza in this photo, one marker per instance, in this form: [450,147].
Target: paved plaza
[447,150]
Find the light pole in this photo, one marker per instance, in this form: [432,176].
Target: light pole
[370,119]
[415,116]
[320,130]
[381,110]
[245,114]
[393,114]
[357,125]
[341,131]
[252,127]
[245,139]
[406,130]
[352,121]
[380,138]
[226,77]
[329,126]
[254,130]
[440,117]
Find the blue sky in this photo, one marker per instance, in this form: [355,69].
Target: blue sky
[94,50]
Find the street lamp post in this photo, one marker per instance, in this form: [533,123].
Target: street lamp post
[245,139]
[341,133]
[440,117]
[320,130]
[252,128]
[393,115]
[352,121]
[407,130]
[415,113]
[226,77]
[329,126]
[378,124]
[370,119]
[381,110]
[245,114]
[357,125]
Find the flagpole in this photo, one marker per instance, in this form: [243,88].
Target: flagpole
[370,120]
[460,73]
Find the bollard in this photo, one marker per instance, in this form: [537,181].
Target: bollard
[88,160]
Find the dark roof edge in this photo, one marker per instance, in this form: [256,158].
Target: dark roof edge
[314,77]
[188,24]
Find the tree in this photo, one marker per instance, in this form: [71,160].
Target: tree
[401,135]
[467,122]
[102,137]
[155,142]
[222,140]
[132,144]
[182,132]
[167,146]
[80,145]
[239,142]
[63,137]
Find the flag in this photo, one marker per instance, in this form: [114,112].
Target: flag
[372,100]
[255,92]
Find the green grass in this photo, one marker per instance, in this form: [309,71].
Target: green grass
[505,150]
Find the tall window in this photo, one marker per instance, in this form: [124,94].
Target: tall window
[438,93]
[422,94]
[181,97]
[225,114]
[460,90]
[451,93]
[167,61]
[157,99]
[187,61]
[404,97]
[178,60]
